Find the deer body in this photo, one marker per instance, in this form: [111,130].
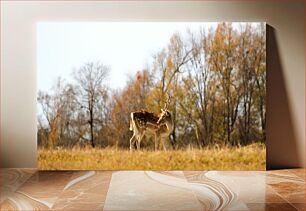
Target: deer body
[143,122]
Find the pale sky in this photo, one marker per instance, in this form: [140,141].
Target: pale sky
[125,47]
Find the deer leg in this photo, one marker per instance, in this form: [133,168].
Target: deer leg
[164,146]
[132,142]
[138,141]
[155,142]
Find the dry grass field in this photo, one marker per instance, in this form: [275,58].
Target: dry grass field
[252,157]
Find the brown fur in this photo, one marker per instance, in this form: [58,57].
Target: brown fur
[142,118]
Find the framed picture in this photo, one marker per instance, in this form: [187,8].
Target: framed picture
[151,95]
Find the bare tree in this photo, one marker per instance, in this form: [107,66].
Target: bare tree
[202,84]
[90,90]
[53,106]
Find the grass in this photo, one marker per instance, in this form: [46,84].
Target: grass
[252,157]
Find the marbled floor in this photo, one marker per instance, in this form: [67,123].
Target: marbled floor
[29,189]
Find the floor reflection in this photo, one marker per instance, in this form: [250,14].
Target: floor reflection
[28,189]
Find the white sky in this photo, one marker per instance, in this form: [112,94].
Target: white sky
[125,47]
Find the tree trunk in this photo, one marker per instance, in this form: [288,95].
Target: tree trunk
[173,141]
[263,121]
[91,128]
[228,122]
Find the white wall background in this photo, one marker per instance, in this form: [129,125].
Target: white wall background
[286,147]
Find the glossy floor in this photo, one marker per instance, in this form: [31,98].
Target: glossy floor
[28,189]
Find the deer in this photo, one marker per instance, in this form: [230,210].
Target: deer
[143,122]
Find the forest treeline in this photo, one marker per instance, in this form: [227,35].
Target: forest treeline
[216,79]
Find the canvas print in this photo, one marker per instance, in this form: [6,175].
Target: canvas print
[151,95]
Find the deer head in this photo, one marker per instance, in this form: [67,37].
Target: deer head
[165,115]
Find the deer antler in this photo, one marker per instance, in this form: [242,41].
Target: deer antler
[167,102]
